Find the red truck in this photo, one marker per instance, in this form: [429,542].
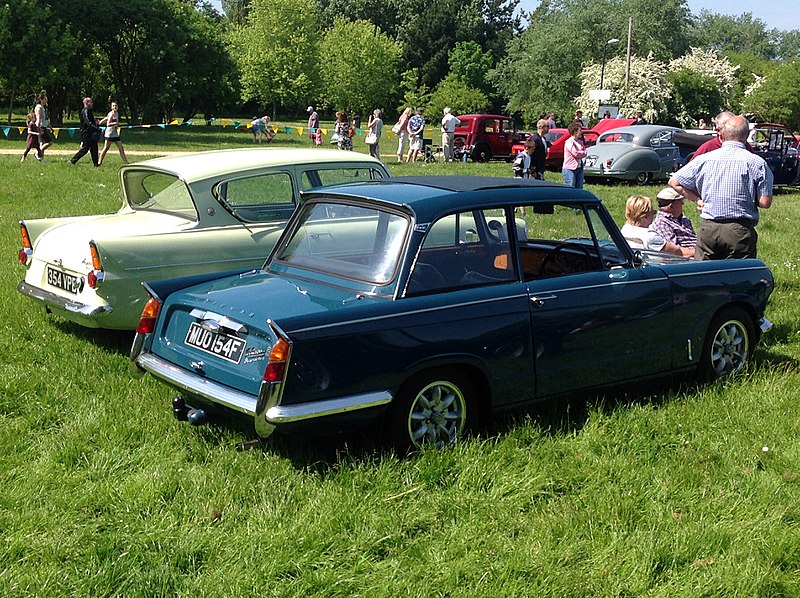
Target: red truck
[482,137]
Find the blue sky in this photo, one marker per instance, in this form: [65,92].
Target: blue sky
[777,14]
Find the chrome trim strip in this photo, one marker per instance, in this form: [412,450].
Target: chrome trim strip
[283,414]
[721,271]
[197,385]
[64,303]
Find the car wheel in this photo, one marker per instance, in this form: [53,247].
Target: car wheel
[481,153]
[434,408]
[729,345]
[644,178]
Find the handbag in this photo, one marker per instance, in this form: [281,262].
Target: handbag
[396,129]
[371,139]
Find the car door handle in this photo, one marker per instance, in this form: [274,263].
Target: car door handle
[618,274]
[538,301]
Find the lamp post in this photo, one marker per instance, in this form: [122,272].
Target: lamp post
[613,40]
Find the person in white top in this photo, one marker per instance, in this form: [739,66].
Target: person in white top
[449,124]
[639,214]
[111,121]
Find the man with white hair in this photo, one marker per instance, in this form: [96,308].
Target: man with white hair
[715,142]
[729,186]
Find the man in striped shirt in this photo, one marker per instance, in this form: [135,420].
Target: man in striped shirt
[729,185]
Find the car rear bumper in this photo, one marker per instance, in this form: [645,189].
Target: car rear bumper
[62,303]
[265,408]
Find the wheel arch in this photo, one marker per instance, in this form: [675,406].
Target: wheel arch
[471,367]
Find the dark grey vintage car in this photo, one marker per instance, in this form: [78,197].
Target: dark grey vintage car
[417,306]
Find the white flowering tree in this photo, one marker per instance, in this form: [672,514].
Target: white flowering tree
[647,89]
[712,64]
[703,83]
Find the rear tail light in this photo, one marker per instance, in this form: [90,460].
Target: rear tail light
[97,275]
[608,162]
[278,358]
[147,322]
[27,247]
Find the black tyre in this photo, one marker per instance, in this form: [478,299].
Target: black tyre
[729,345]
[481,153]
[434,408]
[644,178]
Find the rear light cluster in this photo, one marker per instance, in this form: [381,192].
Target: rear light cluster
[25,253]
[147,323]
[608,162]
[278,358]
[96,275]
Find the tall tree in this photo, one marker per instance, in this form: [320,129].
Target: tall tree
[540,70]
[361,66]
[741,33]
[278,54]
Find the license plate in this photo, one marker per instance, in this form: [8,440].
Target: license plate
[64,281]
[222,345]
[590,161]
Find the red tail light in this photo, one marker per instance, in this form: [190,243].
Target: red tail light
[97,274]
[27,248]
[278,358]
[147,322]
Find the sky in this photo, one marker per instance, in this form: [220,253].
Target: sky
[777,14]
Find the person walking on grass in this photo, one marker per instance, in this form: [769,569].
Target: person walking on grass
[33,139]
[112,134]
[90,133]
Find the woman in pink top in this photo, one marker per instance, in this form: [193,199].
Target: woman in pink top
[574,153]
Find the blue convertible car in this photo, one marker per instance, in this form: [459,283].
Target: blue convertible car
[422,304]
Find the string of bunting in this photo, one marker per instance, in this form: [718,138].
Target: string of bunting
[223,122]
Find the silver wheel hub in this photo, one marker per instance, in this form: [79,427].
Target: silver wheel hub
[437,415]
[730,349]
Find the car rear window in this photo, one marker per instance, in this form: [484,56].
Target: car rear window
[320,177]
[260,198]
[158,191]
[354,242]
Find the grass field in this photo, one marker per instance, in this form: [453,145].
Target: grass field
[684,491]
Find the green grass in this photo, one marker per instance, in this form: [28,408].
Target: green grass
[661,493]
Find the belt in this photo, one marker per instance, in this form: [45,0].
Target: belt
[747,222]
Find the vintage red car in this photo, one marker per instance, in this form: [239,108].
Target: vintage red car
[556,138]
[482,137]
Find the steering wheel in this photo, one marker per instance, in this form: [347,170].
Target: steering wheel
[560,265]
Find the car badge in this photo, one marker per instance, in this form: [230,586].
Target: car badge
[210,325]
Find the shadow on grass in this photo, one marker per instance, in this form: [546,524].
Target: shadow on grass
[112,341]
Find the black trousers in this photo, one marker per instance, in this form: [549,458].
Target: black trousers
[88,146]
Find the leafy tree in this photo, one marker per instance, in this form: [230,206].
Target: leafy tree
[694,96]
[236,11]
[788,46]
[414,95]
[751,69]
[278,54]
[471,65]
[777,99]
[361,66]
[460,96]
[540,70]
[37,54]
[647,90]
[741,33]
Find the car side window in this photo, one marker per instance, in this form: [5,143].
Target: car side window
[320,177]
[561,240]
[464,250]
[259,198]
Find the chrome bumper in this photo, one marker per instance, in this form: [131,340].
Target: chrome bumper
[59,302]
[263,408]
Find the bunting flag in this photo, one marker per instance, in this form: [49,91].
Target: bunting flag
[223,122]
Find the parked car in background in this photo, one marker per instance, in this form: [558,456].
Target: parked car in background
[774,142]
[191,214]
[556,138]
[483,137]
[417,306]
[638,153]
